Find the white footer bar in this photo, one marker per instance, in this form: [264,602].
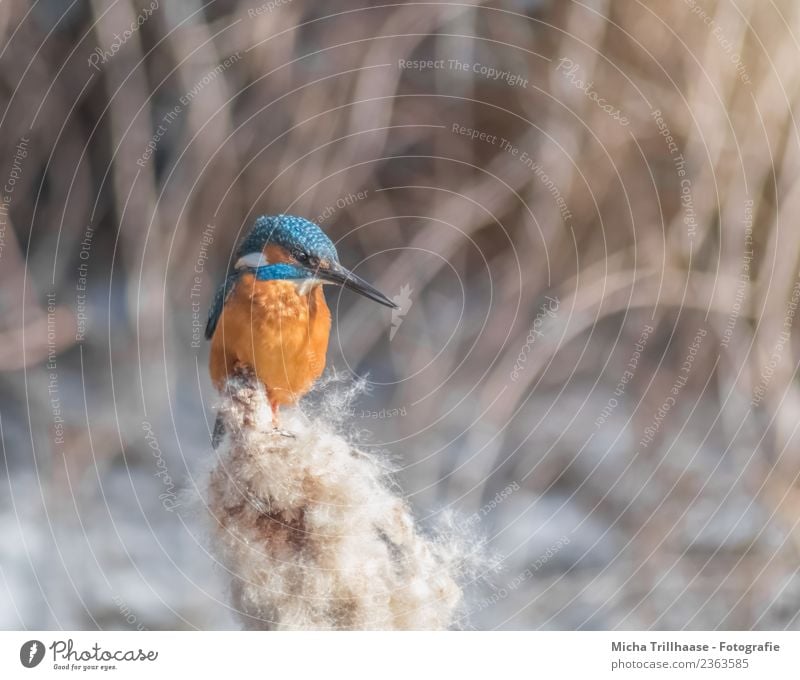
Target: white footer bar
[410,656]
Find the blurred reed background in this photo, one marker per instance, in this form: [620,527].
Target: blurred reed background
[586,209]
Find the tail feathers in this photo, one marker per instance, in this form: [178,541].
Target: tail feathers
[219,431]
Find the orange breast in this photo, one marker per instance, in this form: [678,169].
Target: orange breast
[281,334]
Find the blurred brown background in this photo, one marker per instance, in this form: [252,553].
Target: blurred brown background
[587,211]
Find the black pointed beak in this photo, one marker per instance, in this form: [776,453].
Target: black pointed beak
[335,273]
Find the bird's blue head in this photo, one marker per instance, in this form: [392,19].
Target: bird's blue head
[292,248]
[282,238]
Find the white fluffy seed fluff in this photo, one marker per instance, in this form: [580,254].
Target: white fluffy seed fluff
[312,535]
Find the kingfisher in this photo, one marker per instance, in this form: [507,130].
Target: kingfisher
[269,317]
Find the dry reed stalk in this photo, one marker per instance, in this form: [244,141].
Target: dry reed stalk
[312,535]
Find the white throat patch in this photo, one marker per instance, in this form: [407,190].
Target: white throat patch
[304,286]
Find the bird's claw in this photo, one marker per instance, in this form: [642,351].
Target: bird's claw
[279,432]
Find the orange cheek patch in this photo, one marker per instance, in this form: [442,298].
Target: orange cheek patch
[274,254]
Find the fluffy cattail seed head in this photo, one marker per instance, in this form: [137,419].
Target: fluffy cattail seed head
[312,535]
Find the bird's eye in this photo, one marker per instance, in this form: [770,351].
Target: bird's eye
[305,259]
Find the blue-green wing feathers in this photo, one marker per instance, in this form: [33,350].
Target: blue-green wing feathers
[223,293]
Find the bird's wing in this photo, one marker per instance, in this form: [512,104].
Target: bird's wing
[223,293]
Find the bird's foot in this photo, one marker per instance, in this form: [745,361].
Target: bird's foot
[277,430]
